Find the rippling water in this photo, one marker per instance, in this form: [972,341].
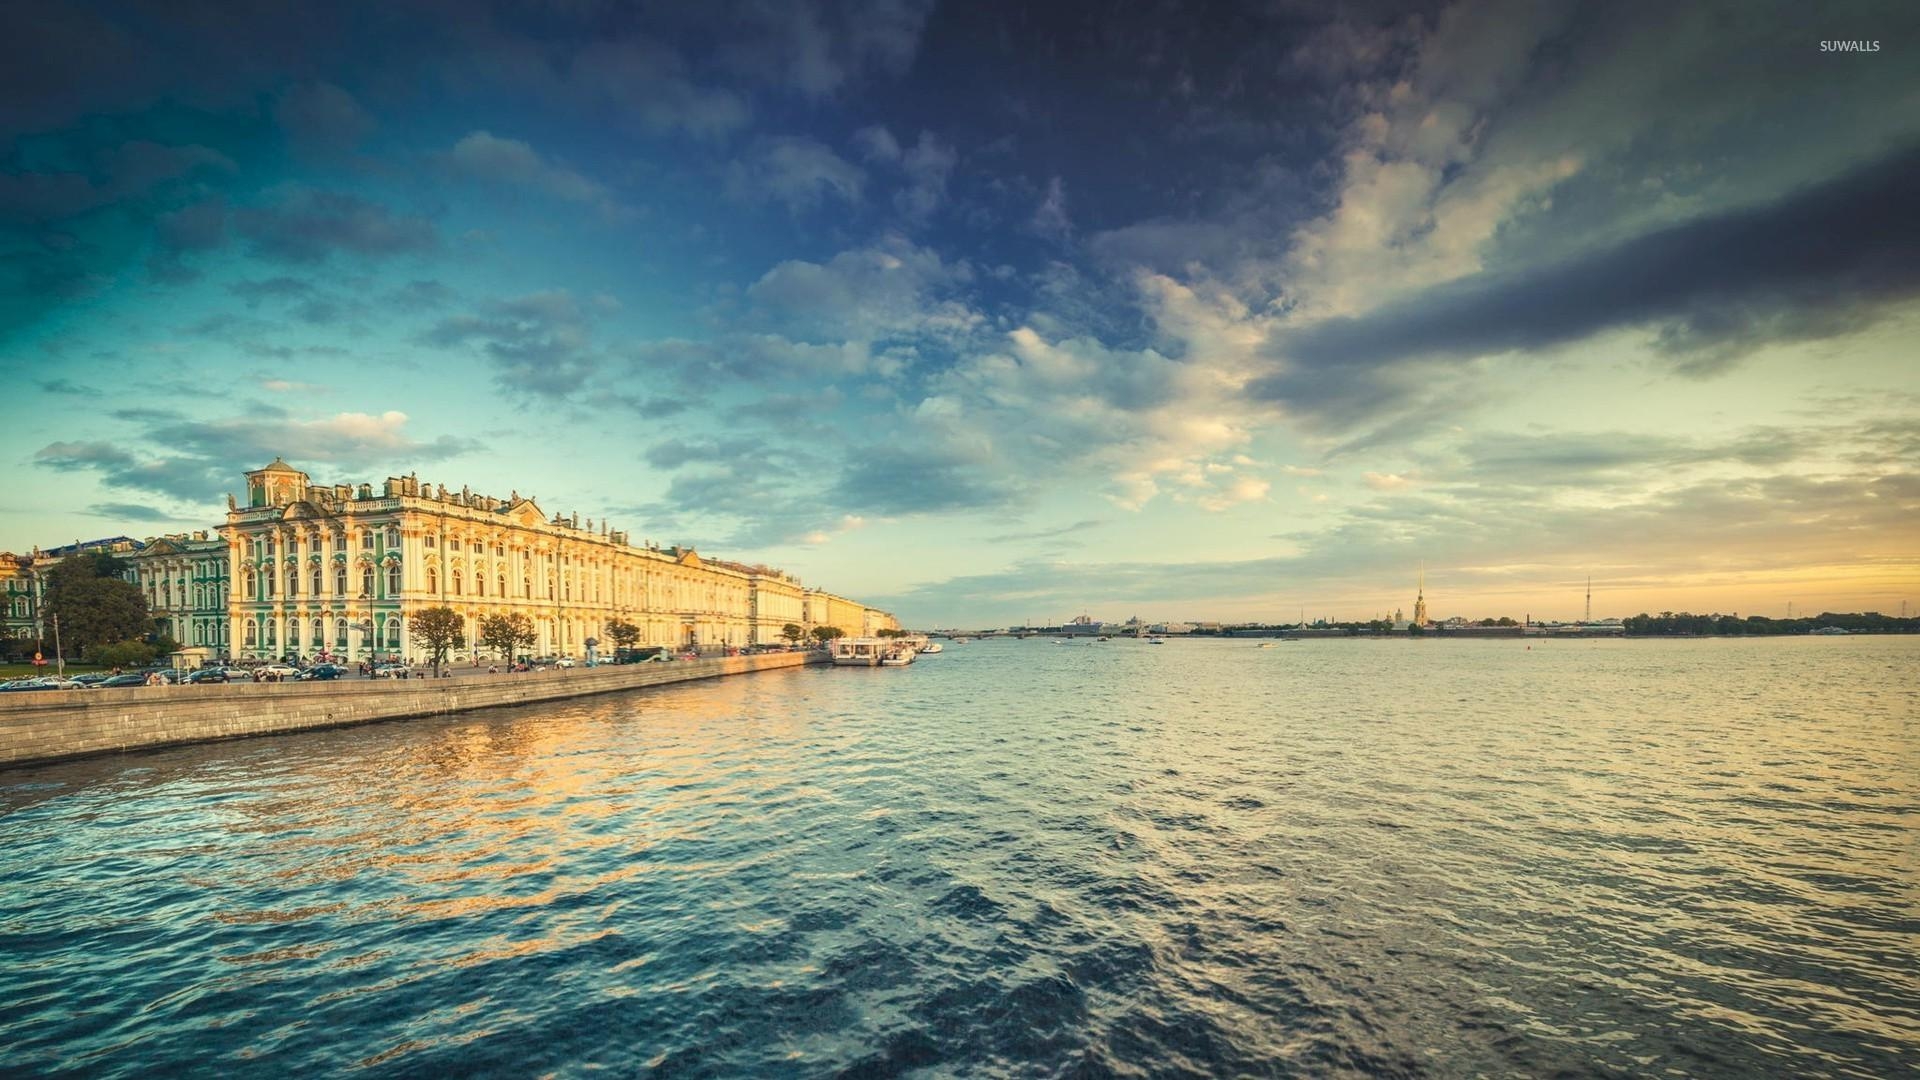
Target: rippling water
[1354,857]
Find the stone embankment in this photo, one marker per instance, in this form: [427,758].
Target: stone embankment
[54,724]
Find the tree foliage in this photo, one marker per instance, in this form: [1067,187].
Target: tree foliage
[123,654]
[793,633]
[623,633]
[824,634]
[507,633]
[440,629]
[95,607]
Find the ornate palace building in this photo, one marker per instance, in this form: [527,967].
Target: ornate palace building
[342,570]
[184,579]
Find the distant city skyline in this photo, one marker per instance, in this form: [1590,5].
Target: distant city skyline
[986,312]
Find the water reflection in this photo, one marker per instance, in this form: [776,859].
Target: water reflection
[1338,857]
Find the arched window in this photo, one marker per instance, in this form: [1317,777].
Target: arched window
[267,580]
[433,580]
[366,539]
[253,633]
[566,586]
[479,584]
[293,633]
[393,538]
[269,543]
[549,586]
[456,583]
[253,586]
[503,586]
[293,581]
[319,632]
[166,594]
[273,632]
[340,579]
[393,633]
[318,580]
[393,579]
[340,633]
[429,541]
[366,579]
[526,585]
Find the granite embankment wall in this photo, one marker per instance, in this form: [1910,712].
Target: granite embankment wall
[54,724]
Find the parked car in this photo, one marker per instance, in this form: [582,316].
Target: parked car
[320,672]
[92,678]
[207,675]
[129,679]
[565,661]
[391,671]
[236,674]
[283,671]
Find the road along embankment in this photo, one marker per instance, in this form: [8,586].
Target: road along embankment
[54,724]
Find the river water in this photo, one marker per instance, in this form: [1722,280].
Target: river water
[1381,858]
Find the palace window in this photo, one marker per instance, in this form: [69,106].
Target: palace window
[393,633]
[318,580]
[366,581]
[319,632]
[340,580]
[269,543]
[503,586]
[549,586]
[253,633]
[253,586]
[267,581]
[526,586]
[393,579]
[393,538]
[453,543]
[430,541]
[293,633]
[293,581]
[566,586]
[273,632]
[340,633]
[479,584]
[456,583]
[366,539]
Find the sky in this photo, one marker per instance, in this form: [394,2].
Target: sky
[992,313]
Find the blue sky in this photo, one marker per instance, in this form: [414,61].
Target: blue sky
[992,313]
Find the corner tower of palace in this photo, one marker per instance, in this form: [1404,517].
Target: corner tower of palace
[343,569]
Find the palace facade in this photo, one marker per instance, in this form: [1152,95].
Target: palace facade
[184,578]
[343,570]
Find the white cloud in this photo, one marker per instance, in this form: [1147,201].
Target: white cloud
[796,171]
[483,156]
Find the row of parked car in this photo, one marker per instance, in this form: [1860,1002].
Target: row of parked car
[175,676]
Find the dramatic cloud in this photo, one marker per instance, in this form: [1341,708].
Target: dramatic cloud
[321,118]
[486,157]
[306,226]
[539,343]
[1821,262]
[798,172]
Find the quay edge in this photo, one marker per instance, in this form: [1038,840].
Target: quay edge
[57,725]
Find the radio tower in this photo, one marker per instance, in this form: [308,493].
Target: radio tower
[1589,598]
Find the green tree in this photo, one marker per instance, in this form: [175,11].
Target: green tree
[440,629]
[123,654]
[623,633]
[95,607]
[792,633]
[507,633]
[824,634]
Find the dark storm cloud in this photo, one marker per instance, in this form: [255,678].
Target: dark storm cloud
[307,226]
[179,477]
[540,343]
[908,481]
[132,512]
[1820,261]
